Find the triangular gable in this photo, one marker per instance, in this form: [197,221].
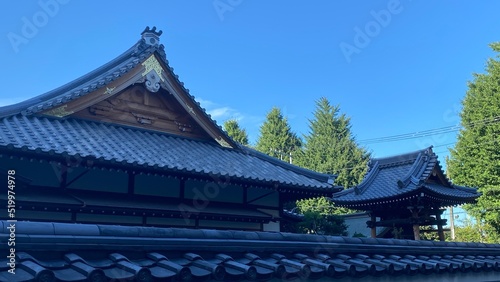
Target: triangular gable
[142,92]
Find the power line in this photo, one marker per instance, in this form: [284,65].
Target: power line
[437,153]
[468,146]
[429,132]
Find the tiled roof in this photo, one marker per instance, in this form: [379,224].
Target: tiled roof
[142,148]
[23,128]
[87,252]
[402,176]
[95,79]
[103,76]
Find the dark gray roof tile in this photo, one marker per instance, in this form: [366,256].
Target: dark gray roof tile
[230,268]
[402,176]
[19,129]
[118,144]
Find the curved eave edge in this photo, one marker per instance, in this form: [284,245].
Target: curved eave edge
[472,193]
[68,91]
[453,200]
[55,156]
[467,189]
[323,177]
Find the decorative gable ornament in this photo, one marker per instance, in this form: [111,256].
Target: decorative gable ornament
[152,73]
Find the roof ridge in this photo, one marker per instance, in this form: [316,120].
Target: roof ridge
[104,230]
[414,173]
[370,176]
[81,85]
[401,158]
[330,178]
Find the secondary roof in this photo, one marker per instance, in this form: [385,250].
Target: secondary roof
[402,177]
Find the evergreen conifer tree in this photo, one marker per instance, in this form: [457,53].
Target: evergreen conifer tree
[331,148]
[475,159]
[234,131]
[277,138]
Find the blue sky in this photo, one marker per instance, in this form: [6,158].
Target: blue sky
[393,66]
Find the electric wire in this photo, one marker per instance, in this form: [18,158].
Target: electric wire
[429,132]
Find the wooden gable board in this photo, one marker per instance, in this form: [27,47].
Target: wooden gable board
[148,96]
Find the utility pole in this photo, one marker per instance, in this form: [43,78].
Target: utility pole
[452,224]
[452,217]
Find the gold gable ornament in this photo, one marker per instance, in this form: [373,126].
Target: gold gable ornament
[223,142]
[190,110]
[153,73]
[109,90]
[59,111]
[150,64]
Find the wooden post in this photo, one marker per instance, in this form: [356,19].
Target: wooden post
[440,226]
[374,227]
[416,226]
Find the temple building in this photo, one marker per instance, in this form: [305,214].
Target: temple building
[127,144]
[120,175]
[405,192]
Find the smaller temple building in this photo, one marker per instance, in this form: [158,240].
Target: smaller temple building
[405,192]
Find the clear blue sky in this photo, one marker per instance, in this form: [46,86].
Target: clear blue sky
[394,67]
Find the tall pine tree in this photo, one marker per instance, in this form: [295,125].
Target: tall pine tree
[276,137]
[234,131]
[331,148]
[475,159]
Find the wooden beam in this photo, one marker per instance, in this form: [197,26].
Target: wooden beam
[102,93]
[182,188]
[131,183]
[416,226]
[422,221]
[440,227]
[77,177]
[245,195]
[64,176]
[260,197]
[374,227]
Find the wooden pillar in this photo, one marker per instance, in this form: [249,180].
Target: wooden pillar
[440,226]
[374,227]
[416,226]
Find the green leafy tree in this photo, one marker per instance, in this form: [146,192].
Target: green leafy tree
[476,231]
[475,159]
[276,137]
[331,148]
[321,205]
[316,223]
[234,131]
